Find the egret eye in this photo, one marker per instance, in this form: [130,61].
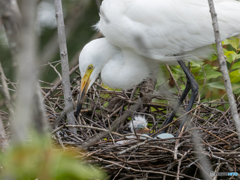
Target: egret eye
[90,67]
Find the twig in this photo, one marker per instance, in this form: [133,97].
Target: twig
[224,69]
[158,131]
[54,67]
[78,9]
[11,19]
[4,90]
[3,137]
[169,70]
[211,134]
[114,125]
[135,170]
[27,74]
[132,147]
[59,83]
[179,163]
[88,127]
[64,62]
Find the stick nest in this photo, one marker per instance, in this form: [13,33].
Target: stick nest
[210,136]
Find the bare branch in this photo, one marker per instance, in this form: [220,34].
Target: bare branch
[3,137]
[4,90]
[27,73]
[50,49]
[10,17]
[40,122]
[114,125]
[64,63]
[59,83]
[224,69]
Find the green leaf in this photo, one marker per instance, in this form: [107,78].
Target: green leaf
[231,56]
[236,66]
[225,42]
[105,104]
[234,42]
[237,91]
[38,159]
[210,72]
[195,63]
[213,58]
[196,69]
[177,71]
[235,76]
[217,85]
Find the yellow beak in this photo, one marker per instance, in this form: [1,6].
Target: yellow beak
[83,89]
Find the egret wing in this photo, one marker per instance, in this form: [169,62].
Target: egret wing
[158,28]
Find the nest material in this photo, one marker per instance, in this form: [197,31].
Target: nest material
[215,136]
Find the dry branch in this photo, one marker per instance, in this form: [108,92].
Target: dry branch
[139,158]
[224,68]
[64,64]
[10,16]
[27,73]
[3,137]
[51,48]
[4,90]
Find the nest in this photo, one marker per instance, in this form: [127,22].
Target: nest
[210,142]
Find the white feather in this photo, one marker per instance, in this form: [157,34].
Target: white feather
[140,34]
[138,121]
[166,27]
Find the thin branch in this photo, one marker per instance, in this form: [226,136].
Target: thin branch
[76,15]
[10,15]
[3,137]
[4,90]
[113,126]
[171,74]
[59,83]
[27,73]
[64,63]
[224,69]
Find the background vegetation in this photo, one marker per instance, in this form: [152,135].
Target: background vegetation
[80,16]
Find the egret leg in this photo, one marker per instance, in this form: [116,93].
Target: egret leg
[191,85]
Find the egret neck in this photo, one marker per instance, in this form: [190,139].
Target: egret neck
[119,68]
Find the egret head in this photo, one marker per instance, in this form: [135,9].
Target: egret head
[91,61]
[139,125]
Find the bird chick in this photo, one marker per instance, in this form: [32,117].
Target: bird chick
[139,125]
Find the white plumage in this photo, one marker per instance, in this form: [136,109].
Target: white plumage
[138,123]
[138,126]
[140,34]
[138,31]
[165,27]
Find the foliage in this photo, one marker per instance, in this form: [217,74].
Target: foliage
[208,75]
[38,160]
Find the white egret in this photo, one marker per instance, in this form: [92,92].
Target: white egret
[139,34]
